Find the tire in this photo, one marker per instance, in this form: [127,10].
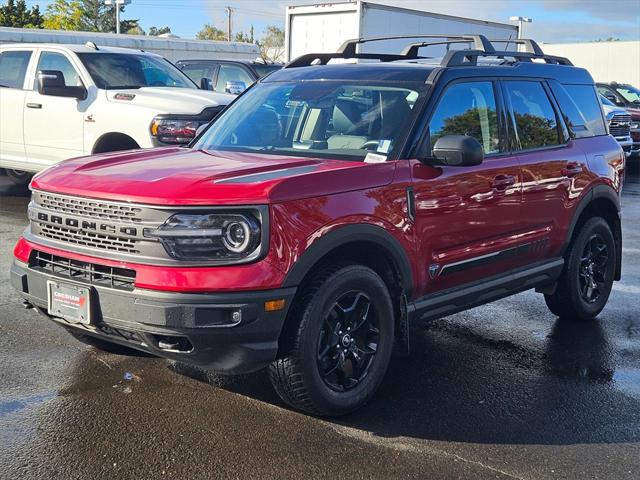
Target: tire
[105,346]
[326,371]
[18,177]
[590,262]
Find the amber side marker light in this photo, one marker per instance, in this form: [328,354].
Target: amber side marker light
[274,305]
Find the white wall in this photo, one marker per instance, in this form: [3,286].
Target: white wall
[173,49]
[606,61]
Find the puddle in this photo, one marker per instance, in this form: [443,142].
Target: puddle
[628,380]
[11,406]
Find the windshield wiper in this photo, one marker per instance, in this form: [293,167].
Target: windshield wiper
[124,87]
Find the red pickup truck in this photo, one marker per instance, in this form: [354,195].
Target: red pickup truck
[329,208]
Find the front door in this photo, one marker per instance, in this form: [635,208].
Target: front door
[468,219]
[53,126]
[13,67]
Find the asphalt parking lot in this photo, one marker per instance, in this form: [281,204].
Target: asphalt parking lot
[501,391]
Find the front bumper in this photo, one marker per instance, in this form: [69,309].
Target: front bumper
[198,329]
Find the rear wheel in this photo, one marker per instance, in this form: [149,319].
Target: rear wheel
[340,345]
[586,281]
[18,177]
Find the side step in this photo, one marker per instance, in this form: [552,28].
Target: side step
[457,299]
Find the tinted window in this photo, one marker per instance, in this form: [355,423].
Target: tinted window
[586,100]
[57,61]
[13,67]
[197,72]
[468,109]
[232,73]
[263,70]
[535,118]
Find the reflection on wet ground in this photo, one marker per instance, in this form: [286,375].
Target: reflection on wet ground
[501,391]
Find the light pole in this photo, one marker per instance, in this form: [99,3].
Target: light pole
[117,4]
[520,21]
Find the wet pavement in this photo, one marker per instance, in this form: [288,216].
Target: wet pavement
[501,391]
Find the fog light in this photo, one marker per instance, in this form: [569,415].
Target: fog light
[236,316]
[274,305]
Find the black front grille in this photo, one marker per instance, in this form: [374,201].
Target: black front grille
[89,239]
[91,208]
[619,126]
[91,273]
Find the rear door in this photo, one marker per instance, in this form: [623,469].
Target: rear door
[554,167]
[54,126]
[13,70]
[468,219]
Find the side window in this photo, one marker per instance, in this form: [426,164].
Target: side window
[57,61]
[468,109]
[197,72]
[536,121]
[13,67]
[585,99]
[608,94]
[231,73]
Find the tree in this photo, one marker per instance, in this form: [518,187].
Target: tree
[244,38]
[210,32]
[272,44]
[86,15]
[155,31]
[17,15]
[137,30]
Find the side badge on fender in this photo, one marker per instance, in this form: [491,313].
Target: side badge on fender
[434,270]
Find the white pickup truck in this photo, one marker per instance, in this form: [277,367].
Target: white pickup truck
[63,101]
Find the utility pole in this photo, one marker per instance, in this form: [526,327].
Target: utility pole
[229,12]
[117,4]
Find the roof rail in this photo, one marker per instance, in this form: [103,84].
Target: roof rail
[480,41]
[482,48]
[457,58]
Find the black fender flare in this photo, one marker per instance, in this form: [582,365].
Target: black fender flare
[350,234]
[596,193]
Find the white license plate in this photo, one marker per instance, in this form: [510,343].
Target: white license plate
[70,302]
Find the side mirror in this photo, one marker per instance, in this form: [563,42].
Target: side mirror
[51,82]
[458,151]
[201,128]
[205,84]
[235,87]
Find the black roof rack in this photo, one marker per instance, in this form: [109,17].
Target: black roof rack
[482,47]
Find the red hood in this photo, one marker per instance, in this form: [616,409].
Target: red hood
[180,176]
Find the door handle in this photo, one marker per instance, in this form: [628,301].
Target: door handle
[571,170]
[34,105]
[502,182]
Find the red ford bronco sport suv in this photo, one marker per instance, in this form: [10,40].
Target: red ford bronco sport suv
[331,206]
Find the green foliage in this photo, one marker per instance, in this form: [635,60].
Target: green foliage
[272,43]
[17,15]
[155,31]
[85,15]
[210,32]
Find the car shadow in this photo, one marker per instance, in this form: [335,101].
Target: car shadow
[9,189]
[458,385]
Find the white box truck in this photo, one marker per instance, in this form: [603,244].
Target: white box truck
[324,27]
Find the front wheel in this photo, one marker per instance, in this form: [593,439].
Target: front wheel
[18,177]
[339,345]
[586,281]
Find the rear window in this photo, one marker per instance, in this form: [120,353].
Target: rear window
[581,109]
[13,66]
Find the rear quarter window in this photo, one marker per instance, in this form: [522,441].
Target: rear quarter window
[581,109]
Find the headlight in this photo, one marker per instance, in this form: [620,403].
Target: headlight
[634,125]
[181,129]
[229,236]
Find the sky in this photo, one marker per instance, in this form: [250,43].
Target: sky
[553,20]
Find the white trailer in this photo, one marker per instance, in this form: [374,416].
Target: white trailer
[606,61]
[322,28]
[171,48]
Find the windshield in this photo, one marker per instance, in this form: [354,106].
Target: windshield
[630,93]
[125,70]
[263,70]
[329,119]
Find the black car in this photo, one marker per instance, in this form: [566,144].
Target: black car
[226,76]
